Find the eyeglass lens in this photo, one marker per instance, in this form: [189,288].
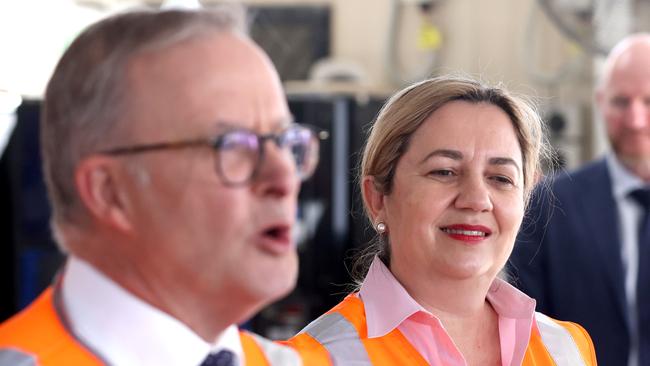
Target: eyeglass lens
[238,156]
[240,152]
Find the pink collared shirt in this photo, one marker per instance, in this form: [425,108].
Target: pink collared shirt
[389,306]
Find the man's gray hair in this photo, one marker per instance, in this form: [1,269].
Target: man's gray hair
[87,96]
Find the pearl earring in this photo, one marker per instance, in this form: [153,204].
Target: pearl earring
[381,227]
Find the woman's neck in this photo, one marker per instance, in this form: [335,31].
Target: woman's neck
[445,296]
[462,308]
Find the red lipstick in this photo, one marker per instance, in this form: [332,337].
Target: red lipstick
[467,233]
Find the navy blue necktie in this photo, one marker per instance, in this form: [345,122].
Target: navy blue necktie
[642,196]
[221,358]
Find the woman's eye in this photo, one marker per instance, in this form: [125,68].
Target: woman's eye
[502,179]
[442,173]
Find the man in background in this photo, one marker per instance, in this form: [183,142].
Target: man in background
[584,252]
[173,171]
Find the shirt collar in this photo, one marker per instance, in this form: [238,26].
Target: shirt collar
[387,303]
[623,181]
[508,302]
[125,330]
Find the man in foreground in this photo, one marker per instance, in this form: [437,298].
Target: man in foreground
[173,171]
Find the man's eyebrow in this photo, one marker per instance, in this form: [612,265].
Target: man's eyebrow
[222,125]
[283,122]
[277,124]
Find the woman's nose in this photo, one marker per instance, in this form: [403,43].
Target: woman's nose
[473,194]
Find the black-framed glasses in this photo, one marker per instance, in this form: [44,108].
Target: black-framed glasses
[240,152]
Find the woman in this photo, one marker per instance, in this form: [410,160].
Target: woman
[445,176]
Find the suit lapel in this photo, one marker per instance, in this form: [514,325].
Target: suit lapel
[601,216]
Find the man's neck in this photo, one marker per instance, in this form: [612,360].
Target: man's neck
[125,329]
[640,167]
[207,315]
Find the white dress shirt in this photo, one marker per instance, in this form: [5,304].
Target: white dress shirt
[124,330]
[629,216]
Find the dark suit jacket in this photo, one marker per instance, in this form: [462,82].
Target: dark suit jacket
[568,257]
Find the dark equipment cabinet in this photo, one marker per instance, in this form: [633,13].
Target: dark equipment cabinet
[28,255]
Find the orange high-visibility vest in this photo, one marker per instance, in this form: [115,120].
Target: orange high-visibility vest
[38,336]
[342,334]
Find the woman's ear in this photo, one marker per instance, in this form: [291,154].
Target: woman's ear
[373,197]
[102,191]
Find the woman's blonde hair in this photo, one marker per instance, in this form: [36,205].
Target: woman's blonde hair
[405,112]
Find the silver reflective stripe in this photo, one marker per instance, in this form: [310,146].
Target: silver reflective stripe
[278,355]
[559,342]
[12,357]
[340,339]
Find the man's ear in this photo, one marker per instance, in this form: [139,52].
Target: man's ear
[373,197]
[101,190]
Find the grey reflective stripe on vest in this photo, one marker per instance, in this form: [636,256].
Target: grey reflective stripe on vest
[12,357]
[558,342]
[340,338]
[278,355]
